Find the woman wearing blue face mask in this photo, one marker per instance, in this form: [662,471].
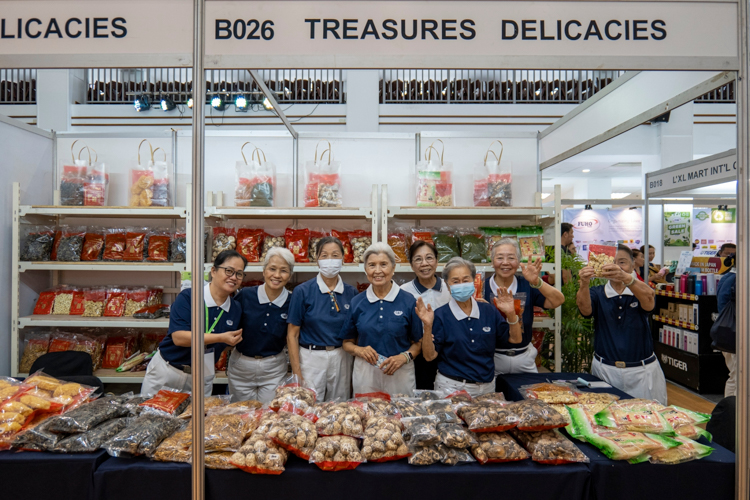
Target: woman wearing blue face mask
[317,313]
[462,335]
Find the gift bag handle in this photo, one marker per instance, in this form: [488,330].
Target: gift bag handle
[260,152]
[72,152]
[328,150]
[428,154]
[242,150]
[497,156]
[442,150]
[159,149]
[151,148]
[96,156]
[490,152]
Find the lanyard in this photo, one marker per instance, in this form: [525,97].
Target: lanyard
[215,322]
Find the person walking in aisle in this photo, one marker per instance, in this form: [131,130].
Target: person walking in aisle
[623,346]
[317,313]
[258,363]
[506,259]
[170,366]
[433,291]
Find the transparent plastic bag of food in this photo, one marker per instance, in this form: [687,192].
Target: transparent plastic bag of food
[497,447]
[421,431]
[548,392]
[492,180]
[384,440]
[295,434]
[143,435]
[36,243]
[688,450]
[488,416]
[225,429]
[323,179]
[337,418]
[335,453]
[550,447]
[168,402]
[293,396]
[434,179]
[635,415]
[535,416]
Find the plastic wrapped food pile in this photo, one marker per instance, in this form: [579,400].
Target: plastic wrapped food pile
[343,419]
[294,433]
[335,453]
[143,435]
[383,440]
[549,447]
[497,447]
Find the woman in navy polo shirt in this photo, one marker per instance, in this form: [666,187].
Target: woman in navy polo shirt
[623,347]
[462,334]
[383,331]
[170,366]
[317,313]
[258,363]
[423,257]
[506,259]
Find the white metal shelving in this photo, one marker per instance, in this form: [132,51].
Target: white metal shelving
[302,268]
[80,321]
[174,267]
[290,213]
[110,212]
[110,376]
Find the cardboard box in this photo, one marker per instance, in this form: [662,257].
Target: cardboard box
[695,314]
[664,312]
[672,306]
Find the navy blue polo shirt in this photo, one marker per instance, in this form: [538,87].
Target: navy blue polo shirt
[263,322]
[725,291]
[388,325]
[180,319]
[533,298]
[315,312]
[466,346]
[621,329]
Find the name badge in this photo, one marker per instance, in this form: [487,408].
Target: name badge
[284,316]
[398,313]
[346,306]
[487,329]
[230,322]
[634,304]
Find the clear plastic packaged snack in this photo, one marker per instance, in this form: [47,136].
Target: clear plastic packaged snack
[384,440]
[550,447]
[73,178]
[494,447]
[687,451]
[143,435]
[434,179]
[600,256]
[334,453]
[176,448]
[71,244]
[492,180]
[36,243]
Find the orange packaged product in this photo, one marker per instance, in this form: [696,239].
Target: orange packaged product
[114,245]
[115,306]
[167,401]
[135,242]
[159,242]
[298,242]
[93,245]
[343,236]
[397,242]
[250,243]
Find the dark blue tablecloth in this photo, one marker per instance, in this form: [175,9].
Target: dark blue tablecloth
[48,476]
[711,477]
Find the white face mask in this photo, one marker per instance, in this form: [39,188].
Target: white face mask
[330,268]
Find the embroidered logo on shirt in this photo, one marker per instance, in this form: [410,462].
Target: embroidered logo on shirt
[346,306]
[634,304]
[230,322]
[284,316]
[487,329]
[398,313]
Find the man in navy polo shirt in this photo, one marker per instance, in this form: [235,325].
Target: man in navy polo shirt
[623,348]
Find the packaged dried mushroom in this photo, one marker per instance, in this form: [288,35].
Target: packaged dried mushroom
[36,244]
[360,241]
[383,440]
[534,415]
[424,455]
[497,447]
[90,441]
[272,241]
[485,416]
[344,419]
[421,431]
[442,409]
[86,417]
[225,238]
[294,433]
[454,456]
[227,428]
[259,454]
[335,453]
[455,436]
[549,447]
[377,404]
[322,180]
[600,256]
[293,397]
[410,407]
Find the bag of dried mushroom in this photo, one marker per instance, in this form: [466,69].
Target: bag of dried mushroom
[340,419]
[259,454]
[333,453]
[293,397]
[496,447]
[376,404]
[226,428]
[488,416]
[208,403]
[383,440]
[535,416]
[550,447]
[454,456]
[558,392]
[294,433]
[455,436]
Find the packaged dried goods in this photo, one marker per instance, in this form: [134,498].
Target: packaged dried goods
[152,312]
[250,243]
[73,177]
[34,345]
[360,241]
[594,402]
[71,244]
[142,180]
[270,241]
[534,415]
[422,234]
[116,299]
[178,247]
[46,301]
[136,299]
[442,409]
[220,460]
[294,433]
[410,407]
[323,180]
[135,244]
[458,397]
[63,300]
[259,454]
[488,416]
[494,447]
[434,180]
[161,196]
[454,456]
[384,440]
[340,419]
[167,402]
[292,397]
[226,428]
[531,242]
[550,392]
[90,441]
[455,436]
[446,244]
[549,447]
[335,453]
[635,415]
[143,435]
[36,437]
[176,448]
[36,243]
[256,181]
[397,242]
[687,451]
[492,180]
[377,404]
[159,242]
[87,416]
[492,396]
[93,245]
[209,403]
[315,237]
[424,455]
[114,245]
[421,431]
[679,417]
[343,237]
[119,348]
[61,342]
[600,256]
[56,242]
[298,242]
[225,238]
[492,235]
[473,247]
[96,186]
[150,340]
[93,346]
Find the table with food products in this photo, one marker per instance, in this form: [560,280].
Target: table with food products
[538,435]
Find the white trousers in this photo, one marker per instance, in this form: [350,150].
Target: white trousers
[369,378]
[328,372]
[522,363]
[257,379]
[730,389]
[160,375]
[474,390]
[645,381]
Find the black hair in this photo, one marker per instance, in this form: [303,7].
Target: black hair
[565,227]
[329,239]
[226,255]
[727,245]
[635,251]
[419,244]
[643,248]
[626,249]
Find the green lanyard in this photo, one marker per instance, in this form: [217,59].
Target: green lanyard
[215,322]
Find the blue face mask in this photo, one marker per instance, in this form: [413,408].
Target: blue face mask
[462,291]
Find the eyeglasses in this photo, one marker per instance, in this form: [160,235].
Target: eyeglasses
[419,260]
[229,272]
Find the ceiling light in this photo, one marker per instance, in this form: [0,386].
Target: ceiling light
[190,103]
[619,196]
[240,103]
[218,103]
[586,170]
[267,104]
[141,103]
[167,104]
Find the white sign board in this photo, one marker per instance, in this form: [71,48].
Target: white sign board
[712,228]
[373,34]
[707,171]
[597,227]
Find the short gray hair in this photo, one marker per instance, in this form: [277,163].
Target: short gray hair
[507,241]
[457,262]
[378,248]
[279,252]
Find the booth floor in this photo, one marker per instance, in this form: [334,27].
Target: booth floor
[97,476]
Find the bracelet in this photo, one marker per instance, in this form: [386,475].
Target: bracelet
[631,281]
[518,318]
[537,287]
[408,359]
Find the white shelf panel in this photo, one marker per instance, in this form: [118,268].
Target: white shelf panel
[544,323]
[121,212]
[102,266]
[468,212]
[302,268]
[289,213]
[80,321]
[111,376]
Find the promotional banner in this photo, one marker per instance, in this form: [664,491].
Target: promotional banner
[677,229]
[626,226]
[713,227]
[599,227]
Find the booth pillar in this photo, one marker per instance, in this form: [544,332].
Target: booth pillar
[362,103]
[57,89]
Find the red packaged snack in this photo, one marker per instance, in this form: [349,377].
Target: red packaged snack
[479,285]
[62,342]
[422,234]
[135,241]
[118,349]
[56,243]
[76,306]
[298,242]
[600,256]
[158,246]
[45,302]
[93,245]
[167,401]
[115,306]
[343,236]
[250,243]
[397,242]
[114,246]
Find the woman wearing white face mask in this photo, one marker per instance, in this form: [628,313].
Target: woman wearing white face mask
[317,313]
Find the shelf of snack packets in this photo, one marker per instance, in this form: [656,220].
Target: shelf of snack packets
[133,302]
[424,428]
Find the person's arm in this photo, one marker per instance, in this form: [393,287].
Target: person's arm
[416,332]
[505,304]
[427,316]
[642,291]
[292,345]
[553,297]
[583,296]
[183,338]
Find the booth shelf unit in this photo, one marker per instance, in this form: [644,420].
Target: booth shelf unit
[302,268]
[704,372]
[550,216]
[55,214]
[111,376]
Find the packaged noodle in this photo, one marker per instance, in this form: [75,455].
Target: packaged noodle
[143,435]
[549,447]
[635,415]
[90,441]
[600,256]
[167,402]
[259,454]
[340,419]
[534,415]
[594,402]
[687,451]
[488,416]
[334,453]
[550,392]
[294,433]
[384,440]
[494,447]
